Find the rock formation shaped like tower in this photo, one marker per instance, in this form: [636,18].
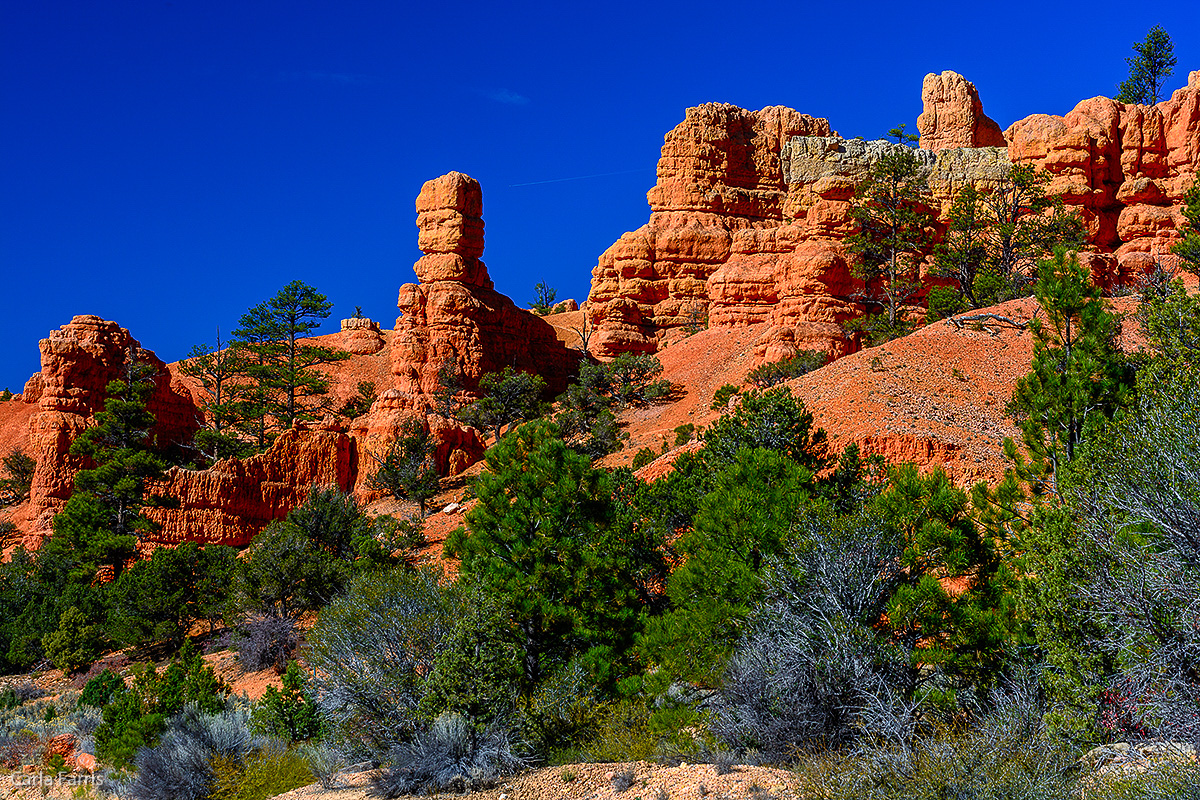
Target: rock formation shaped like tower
[454,316]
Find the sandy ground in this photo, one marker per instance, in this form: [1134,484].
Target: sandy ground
[595,782]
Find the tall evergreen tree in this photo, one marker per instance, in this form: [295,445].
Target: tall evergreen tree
[285,385]
[995,240]
[103,520]
[544,544]
[221,370]
[1078,376]
[1152,63]
[895,222]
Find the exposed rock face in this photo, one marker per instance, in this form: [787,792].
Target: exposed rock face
[457,446]
[751,210]
[78,362]
[719,174]
[227,504]
[454,315]
[953,115]
[361,336]
[234,499]
[1125,166]
[32,393]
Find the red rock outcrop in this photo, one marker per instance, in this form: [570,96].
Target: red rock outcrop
[361,336]
[454,315]
[78,362]
[1126,167]
[751,209]
[719,174]
[457,446]
[953,115]
[234,499]
[34,387]
[227,504]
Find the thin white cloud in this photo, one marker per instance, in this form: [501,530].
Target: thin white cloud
[508,97]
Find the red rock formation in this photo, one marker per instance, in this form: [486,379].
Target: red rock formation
[738,240]
[953,115]
[1126,167]
[34,387]
[361,336]
[719,174]
[456,446]
[227,504]
[454,314]
[234,499]
[78,362]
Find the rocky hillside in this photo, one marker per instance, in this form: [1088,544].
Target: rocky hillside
[745,243]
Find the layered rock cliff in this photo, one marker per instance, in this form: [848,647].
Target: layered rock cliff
[751,209]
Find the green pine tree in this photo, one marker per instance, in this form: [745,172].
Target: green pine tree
[285,384]
[221,371]
[103,521]
[1189,248]
[543,544]
[895,230]
[1078,377]
[1152,63]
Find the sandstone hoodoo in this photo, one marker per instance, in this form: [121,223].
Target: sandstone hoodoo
[953,115]
[751,209]
[361,336]
[78,362]
[453,318]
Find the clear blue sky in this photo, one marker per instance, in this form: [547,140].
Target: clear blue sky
[169,164]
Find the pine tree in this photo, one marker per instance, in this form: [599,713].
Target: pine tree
[1154,61]
[221,371]
[1078,376]
[408,469]
[285,387]
[995,240]
[543,545]
[894,232]
[103,520]
[1189,248]
[508,397]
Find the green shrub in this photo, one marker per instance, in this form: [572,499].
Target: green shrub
[643,457]
[19,468]
[261,775]
[479,667]
[684,434]
[632,380]
[360,403]
[764,376]
[942,302]
[74,644]
[137,715]
[721,396]
[288,714]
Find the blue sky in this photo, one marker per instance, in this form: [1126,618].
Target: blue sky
[170,164]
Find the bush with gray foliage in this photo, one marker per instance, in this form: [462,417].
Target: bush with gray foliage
[1144,520]
[1004,754]
[452,755]
[371,652]
[180,766]
[810,666]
